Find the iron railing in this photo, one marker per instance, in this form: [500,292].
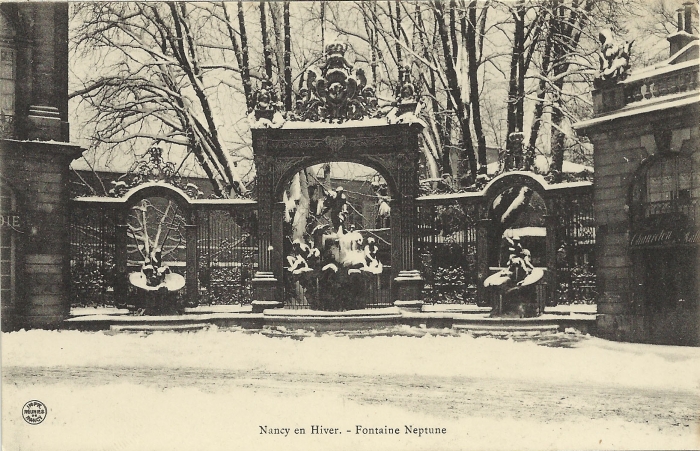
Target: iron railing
[447,251]
[680,209]
[227,253]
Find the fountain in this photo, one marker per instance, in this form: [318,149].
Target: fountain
[334,264]
[515,284]
[157,286]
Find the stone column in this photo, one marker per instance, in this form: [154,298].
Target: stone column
[121,286]
[192,257]
[42,170]
[482,259]
[265,282]
[47,118]
[408,282]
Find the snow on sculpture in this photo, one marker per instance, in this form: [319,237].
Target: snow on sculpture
[152,229]
[336,202]
[511,281]
[334,263]
[337,92]
[153,168]
[614,58]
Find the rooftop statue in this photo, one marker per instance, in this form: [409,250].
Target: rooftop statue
[614,59]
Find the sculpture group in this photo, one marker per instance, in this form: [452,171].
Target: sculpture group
[334,264]
[515,283]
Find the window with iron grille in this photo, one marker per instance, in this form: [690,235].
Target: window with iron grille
[666,187]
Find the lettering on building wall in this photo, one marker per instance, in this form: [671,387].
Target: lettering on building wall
[665,237]
[12,221]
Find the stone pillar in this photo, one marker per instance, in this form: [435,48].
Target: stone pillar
[265,282]
[192,257]
[482,259]
[396,241]
[40,172]
[551,224]
[408,235]
[48,112]
[268,289]
[121,286]
[408,281]
[409,285]
[277,241]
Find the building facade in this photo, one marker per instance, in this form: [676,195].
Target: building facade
[647,197]
[34,162]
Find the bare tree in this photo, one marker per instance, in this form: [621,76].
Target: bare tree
[171,72]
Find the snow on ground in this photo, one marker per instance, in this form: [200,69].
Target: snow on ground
[594,361]
[214,389]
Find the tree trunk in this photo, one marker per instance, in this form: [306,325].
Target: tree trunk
[279,46]
[514,85]
[520,39]
[474,87]
[287,60]
[541,94]
[265,41]
[397,36]
[569,35]
[210,134]
[432,90]
[242,65]
[245,67]
[453,31]
[466,98]
[454,88]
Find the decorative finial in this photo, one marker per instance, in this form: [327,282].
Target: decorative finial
[336,92]
[265,101]
[407,92]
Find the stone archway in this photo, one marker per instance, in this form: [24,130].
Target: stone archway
[391,149]
[515,202]
[515,187]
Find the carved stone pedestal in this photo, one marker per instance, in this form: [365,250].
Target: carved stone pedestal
[409,285]
[265,286]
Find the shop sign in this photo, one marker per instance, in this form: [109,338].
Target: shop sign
[665,236]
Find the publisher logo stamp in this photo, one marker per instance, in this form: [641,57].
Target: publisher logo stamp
[34,412]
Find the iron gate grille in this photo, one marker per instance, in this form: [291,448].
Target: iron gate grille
[447,252]
[93,232]
[576,280]
[227,256]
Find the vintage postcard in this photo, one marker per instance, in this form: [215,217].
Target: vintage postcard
[357,225]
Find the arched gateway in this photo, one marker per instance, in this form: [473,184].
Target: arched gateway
[336,118]
[391,149]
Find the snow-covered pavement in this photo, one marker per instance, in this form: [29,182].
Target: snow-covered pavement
[218,389]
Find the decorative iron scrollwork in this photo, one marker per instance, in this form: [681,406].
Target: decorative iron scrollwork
[337,92]
[153,168]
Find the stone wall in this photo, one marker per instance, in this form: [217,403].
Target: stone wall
[621,145]
[38,173]
[34,164]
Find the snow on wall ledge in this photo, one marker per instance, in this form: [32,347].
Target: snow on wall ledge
[537,177]
[278,121]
